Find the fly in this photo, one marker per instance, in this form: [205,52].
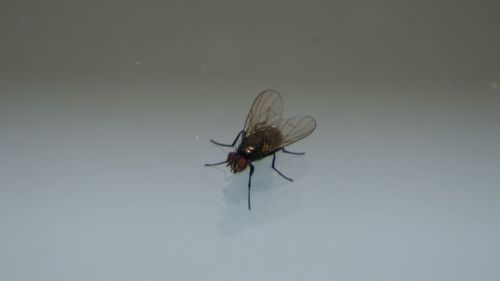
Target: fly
[264,134]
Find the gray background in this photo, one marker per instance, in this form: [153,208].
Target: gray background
[107,108]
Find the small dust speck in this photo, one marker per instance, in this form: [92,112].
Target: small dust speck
[137,63]
[204,67]
[197,137]
[494,86]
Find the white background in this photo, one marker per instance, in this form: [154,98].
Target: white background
[107,108]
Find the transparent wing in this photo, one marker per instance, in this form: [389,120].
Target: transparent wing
[266,111]
[296,128]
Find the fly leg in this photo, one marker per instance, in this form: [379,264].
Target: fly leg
[293,153]
[228,145]
[215,164]
[250,185]
[274,168]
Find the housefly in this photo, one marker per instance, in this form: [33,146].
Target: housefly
[264,134]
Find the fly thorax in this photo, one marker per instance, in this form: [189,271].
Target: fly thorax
[249,150]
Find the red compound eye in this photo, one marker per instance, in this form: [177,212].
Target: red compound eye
[242,163]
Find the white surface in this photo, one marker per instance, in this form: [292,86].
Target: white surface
[106,113]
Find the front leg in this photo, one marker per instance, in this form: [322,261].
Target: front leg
[228,145]
[215,164]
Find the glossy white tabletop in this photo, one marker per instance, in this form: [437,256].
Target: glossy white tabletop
[106,111]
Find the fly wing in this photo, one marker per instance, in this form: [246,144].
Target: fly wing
[266,111]
[296,128]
